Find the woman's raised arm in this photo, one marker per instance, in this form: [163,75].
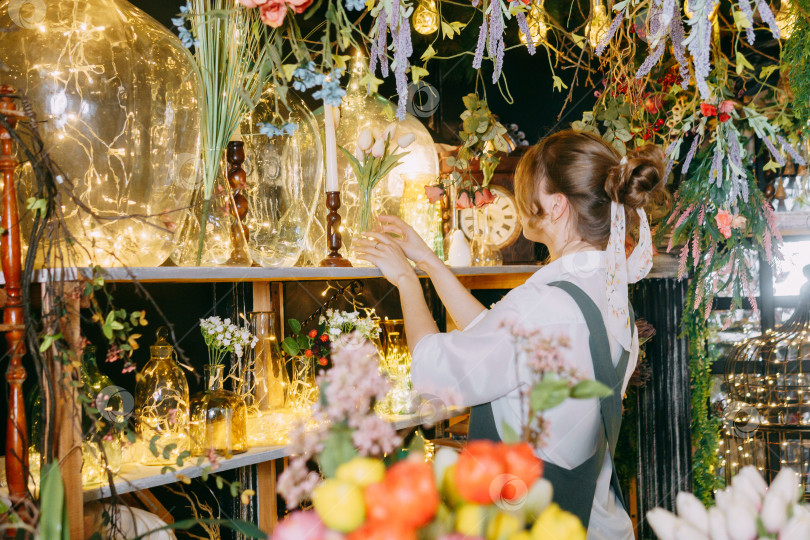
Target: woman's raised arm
[460,303]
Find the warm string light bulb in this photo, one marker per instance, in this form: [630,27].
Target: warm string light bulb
[426,17]
[784,19]
[537,24]
[599,23]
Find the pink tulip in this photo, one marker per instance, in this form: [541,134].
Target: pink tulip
[252,3]
[378,150]
[406,140]
[691,510]
[365,140]
[741,522]
[300,526]
[663,523]
[434,193]
[479,200]
[717,524]
[463,201]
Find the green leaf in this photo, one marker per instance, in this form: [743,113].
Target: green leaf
[549,393]
[741,20]
[771,166]
[451,29]
[52,501]
[417,73]
[742,63]
[337,449]
[295,326]
[290,346]
[590,389]
[429,53]
[371,82]
[153,445]
[558,84]
[167,450]
[39,206]
[219,482]
[235,489]
[767,71]
[510,436]
[288,71]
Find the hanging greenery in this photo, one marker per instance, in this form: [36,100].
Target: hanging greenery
[705,428]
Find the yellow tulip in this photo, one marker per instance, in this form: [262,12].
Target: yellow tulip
[557,524]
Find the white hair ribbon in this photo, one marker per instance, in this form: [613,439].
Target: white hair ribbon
[622,270]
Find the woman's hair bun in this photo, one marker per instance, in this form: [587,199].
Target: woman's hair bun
[632,181]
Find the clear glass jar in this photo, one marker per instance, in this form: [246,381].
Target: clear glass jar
[284,179]
[266,385]
[223,243]
[397,367]
[116,95]
[484,251]
[416,210]
[303,389]
[162,404]
[218,417]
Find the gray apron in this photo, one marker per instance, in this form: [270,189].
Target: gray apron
[574,489]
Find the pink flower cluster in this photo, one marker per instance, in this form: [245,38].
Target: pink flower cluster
[273,11]
[543,353]
[725,222]
[349,390]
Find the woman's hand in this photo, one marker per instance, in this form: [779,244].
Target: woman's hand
[409,241]
[384,252]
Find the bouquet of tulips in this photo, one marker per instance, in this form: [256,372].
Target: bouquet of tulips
[378,153]
[487,491]
[746,510]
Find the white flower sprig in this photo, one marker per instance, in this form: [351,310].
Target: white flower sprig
[337,323]
[223,337]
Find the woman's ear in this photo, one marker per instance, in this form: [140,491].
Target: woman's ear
[559,206]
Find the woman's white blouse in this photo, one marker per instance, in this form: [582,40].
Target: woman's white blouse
[478,364]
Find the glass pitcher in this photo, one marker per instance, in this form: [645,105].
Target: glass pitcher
[162,404]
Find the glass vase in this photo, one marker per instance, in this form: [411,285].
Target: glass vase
[210,232]
[267,385]
[424,216]
[303,389]
[484,251]
[284,180]
[396,365]
[362,110]
[116,96]
[161,401]
[218,417]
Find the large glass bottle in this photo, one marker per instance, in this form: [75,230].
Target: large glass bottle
[284,179]
[218,417]
[116,97]
[162,404]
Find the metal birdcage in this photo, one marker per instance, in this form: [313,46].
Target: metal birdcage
[767,421]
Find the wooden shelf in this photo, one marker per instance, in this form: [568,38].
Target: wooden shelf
[794,223]
[179,274]
[134,476]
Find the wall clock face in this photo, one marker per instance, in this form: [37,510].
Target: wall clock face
[502,216]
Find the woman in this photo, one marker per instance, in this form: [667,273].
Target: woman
[572,191]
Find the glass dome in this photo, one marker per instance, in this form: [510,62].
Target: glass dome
[359,111]
[117,97]
[283,181]
[768,379]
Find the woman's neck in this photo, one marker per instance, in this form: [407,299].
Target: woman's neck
[566,248]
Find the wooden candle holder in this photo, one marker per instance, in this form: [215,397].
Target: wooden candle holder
[333,239]
[13,323]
